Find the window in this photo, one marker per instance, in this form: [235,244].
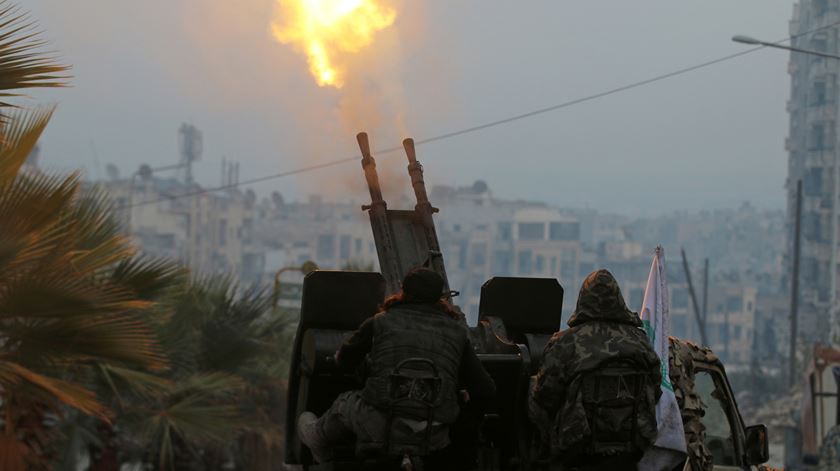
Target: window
[358,246]
[822,90]
[567,271]
[719,436]
[531,231]
[326,247]
[524,266]
[540,264]
[344,247]
[502,263]
[812,183]
[505,230]
[564,231]
[816,140]
[820,7]
[478,255]
[568,256]
[222,232]
[734,304]
[462,255]
[820,43]
[818,95]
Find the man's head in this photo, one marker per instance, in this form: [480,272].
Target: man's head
[422,285]
[600,298]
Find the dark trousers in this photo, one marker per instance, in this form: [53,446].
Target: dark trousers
[617,462]
[351,421]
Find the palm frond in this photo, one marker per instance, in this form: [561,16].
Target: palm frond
[121,339]
[139,383]
[19,134]
[22,63]
[199,411]
[13,375]
[32,203]
[49,294]
[147,278]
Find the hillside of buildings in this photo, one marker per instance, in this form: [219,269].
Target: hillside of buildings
[481,236]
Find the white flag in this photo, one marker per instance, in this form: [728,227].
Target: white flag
[669,449]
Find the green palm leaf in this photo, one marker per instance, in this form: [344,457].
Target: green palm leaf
[22,64]
[148,278]
[21,131]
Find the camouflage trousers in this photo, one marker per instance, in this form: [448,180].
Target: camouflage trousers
[350,420]
[830,450]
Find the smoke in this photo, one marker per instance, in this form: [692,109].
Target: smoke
[254,97]
[369,97]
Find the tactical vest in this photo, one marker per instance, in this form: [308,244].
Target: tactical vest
[416,331]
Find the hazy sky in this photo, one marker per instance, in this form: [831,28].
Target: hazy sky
[712,138]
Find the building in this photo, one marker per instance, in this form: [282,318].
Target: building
[731,321]
[209,232]
[333,235]
[482,237]
[813,158]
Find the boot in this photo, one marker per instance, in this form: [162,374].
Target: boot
[310,434]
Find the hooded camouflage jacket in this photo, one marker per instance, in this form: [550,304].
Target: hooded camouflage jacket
[601,329]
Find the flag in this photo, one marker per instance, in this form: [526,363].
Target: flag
[669,449]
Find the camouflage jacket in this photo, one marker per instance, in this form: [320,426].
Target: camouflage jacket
[601,329]
[682,354]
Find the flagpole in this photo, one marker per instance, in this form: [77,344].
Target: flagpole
[694,299]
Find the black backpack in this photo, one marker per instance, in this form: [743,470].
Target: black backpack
[612,397]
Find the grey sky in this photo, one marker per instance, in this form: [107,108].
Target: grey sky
[713,138]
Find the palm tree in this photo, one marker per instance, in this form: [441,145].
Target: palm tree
[92,336]
[72,293]
[228,350]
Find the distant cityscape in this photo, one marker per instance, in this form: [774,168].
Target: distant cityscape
[481,236]
[744,300]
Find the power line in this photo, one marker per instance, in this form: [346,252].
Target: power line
[483,126]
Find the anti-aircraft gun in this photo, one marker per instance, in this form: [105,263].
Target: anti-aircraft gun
[516,318]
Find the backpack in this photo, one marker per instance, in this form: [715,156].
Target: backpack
[612,397]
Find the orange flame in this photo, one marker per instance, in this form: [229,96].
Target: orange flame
[327,29]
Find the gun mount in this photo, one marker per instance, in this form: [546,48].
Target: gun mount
[517,317]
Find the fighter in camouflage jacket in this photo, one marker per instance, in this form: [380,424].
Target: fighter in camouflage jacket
[602,328]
